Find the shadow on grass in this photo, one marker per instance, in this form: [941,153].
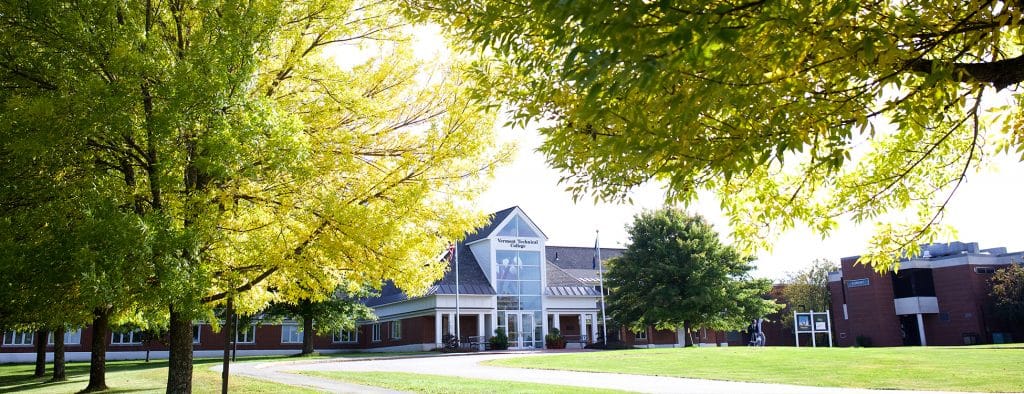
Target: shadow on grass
[19,377]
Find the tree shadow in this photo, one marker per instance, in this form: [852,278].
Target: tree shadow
[19,377]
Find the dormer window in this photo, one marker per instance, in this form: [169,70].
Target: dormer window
[517,227]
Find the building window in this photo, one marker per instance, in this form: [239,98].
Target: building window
[913,282]
[345,336]
[290,333]
[375,332]
[246,334]
[984,270]
[640,336]
[396,329]
[196,331]
[18,338]
[70,337]
[133,337]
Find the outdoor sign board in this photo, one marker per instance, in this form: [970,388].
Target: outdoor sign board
[811,323]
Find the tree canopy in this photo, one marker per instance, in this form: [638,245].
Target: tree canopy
[230,152]
[791,112]
[675,272]
[1008,292]
[807,289]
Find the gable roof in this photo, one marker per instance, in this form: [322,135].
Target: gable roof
[571,270]
[472,281]
[579,257]
[496,219]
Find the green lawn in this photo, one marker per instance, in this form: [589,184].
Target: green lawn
[135,376]
[420,383]
[140,376]
[980,368]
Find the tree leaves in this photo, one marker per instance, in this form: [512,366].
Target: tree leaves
[675,271]
[770,105]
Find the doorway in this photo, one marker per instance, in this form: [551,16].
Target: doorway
[909,330]
[521,329]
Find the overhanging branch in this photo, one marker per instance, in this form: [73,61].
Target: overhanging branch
[1000,74]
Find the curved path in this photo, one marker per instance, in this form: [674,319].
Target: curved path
[469,366]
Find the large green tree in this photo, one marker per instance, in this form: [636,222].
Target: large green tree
[791,112]
[1008,292]
[324,317]
[253,167]
[807,289]
[676,273]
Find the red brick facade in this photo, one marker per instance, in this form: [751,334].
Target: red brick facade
[964,307]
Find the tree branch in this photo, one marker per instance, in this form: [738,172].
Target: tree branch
[1000,74]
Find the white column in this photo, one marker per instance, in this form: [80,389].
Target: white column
[437,328]
[920,329]
[451,323]
[494,323]
[555,322]
[543,326]
[583,327]
[593,328]
[480,329]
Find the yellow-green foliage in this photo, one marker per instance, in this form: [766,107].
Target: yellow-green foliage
[791,112]
[250,163]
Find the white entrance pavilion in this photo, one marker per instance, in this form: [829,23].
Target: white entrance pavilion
[509,279]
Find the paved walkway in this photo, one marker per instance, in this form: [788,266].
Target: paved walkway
[469,366]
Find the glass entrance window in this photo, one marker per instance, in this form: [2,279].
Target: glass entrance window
[523,328]
[519,297]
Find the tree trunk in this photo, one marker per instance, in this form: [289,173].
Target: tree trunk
[229,337]
[98,351]
[307,334]
[41,339]
[179,367]
[58,355]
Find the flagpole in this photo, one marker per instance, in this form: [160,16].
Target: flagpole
[458,334]
[600,274]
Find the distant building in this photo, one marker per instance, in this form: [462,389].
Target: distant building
[939,298]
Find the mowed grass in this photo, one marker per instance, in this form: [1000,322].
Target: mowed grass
[135,376]
[140,376]
[979,368]
[421,383]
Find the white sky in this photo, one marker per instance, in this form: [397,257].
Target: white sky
[986,210]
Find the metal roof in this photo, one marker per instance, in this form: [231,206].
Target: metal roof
[571,291]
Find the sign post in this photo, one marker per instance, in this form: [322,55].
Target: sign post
[812,323]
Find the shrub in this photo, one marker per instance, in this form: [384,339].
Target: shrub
[500,340]
[554,339]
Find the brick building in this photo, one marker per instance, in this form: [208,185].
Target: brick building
[507,278]
[938,298]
